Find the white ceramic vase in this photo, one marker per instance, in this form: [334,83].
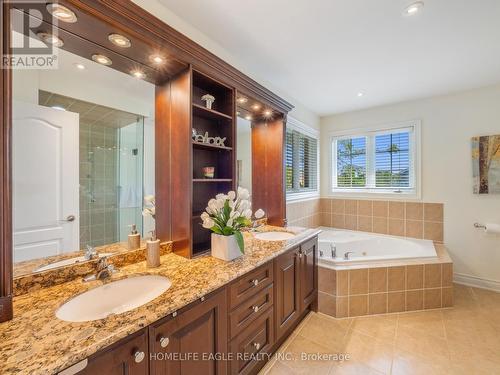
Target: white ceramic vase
[225,247]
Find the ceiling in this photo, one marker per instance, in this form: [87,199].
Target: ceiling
[324,52]
[90,113]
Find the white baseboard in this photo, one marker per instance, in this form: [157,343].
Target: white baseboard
[476,282]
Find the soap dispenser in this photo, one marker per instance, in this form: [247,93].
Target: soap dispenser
[153,251]
[134,238]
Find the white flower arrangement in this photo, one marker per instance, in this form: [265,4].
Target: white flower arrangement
[149,206]
[228,213]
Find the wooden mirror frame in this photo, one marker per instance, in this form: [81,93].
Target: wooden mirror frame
[129,17]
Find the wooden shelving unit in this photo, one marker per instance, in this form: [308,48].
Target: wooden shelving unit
[217,122]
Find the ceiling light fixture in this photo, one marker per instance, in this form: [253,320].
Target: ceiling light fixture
[101,59]
[256,106]
[267,113]
[50,39]
[413,8]
[242,100]
[61,12]
[79,66]
[360,94]
[119,40]
[157,59]
[248,117]
[138,74]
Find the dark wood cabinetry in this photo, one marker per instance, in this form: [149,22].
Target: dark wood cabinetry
[191,342]
[308,273]
[129,356]
[287,293]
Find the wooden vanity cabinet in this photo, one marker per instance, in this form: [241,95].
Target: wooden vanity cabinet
[287,292]
[191,342]
[296,285]
[126,357]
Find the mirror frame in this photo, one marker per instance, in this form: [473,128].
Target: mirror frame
[135,21]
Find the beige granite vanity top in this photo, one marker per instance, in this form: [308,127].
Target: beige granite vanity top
[36,342]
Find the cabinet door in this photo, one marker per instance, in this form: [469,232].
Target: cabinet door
[127,357]
[190,343]
[287,298]
[308,273]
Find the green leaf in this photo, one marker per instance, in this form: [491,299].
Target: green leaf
[227,210]
[228,231]
[239,239]
[216,229]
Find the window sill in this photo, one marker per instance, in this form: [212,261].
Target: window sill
[292,197]
[371,194]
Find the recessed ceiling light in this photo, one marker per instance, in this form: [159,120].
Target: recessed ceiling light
[101,59]
[79,66]
[242,100]
[50,39]
[360,94]
[58,107]
[61,12]
[248,117]
[256,106]
[413,8]
[119,40]
[157,59]
[138,74]
[267,113]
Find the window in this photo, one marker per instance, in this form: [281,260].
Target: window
[301,164]
[376,161]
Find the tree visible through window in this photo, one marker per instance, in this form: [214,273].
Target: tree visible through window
[375,161]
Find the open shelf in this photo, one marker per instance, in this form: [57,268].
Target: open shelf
[200,110]
[210,146]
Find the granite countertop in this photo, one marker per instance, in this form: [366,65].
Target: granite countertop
[36,342]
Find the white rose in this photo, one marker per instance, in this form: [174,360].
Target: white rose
[208,223]
[244,205]
[204,216]
[231,195]
[220,203]
[243,193]
[212,205]
[259,213]
[220,196]
[230,223]
[247,213]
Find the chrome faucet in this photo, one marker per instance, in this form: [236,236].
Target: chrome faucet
[90,253]
[104,270]
[346,254]
[333,249]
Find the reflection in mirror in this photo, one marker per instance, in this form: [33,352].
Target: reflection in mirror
[83,159]
[244,153]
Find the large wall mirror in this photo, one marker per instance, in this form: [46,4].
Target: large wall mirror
[83,159]
[244,152]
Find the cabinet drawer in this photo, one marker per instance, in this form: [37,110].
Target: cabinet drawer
[249,284]
[250,310]
[249,348]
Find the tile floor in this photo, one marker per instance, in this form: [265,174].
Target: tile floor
[461,340]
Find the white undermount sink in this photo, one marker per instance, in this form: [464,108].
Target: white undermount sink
[114,298]
[67,262]
[274,236]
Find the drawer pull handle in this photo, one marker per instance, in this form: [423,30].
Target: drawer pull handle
[202,299]
[255,282]
[256,308]
[174,314]
[256,345]
[164,341]
[139,356]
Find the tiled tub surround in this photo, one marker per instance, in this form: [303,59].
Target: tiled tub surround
[397,218]
[36,342]
[383,288]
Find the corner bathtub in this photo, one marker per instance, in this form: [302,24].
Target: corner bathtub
[367,248]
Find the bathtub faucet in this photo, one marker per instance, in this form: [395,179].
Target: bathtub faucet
[346,254]
[333,248]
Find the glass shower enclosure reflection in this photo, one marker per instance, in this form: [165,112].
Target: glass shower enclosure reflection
[111,189]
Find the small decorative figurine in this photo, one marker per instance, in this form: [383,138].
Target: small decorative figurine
[208,172]
[208,99]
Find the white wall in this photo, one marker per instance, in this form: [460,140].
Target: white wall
[300,112]
[448,123]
